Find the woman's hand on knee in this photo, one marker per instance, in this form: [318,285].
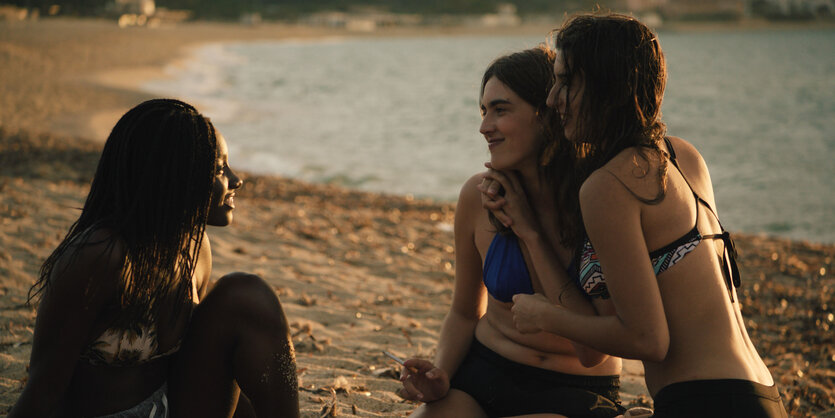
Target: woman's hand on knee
[422,381]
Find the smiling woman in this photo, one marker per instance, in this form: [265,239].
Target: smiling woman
[647,235]
[223,190]
[126,324]
[484,366]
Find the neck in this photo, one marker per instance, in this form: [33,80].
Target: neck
[538,189]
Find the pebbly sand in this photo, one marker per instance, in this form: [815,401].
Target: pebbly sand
[357,272]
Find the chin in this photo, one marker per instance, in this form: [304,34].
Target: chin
[221,220]
[497,163]
[505,165]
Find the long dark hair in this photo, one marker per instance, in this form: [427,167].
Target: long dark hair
[624,73]
[151,193]
[530,74]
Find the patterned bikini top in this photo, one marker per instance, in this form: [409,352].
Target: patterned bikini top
[589,275]
[126,347]
[505,272]
[131,346]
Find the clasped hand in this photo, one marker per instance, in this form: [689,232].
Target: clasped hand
[526,311]
[511,209]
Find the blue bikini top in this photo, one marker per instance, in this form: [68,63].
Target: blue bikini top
[505,273]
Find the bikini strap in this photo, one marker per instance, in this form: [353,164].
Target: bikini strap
[728,259]
[671,150]
[672,153]
[729,254]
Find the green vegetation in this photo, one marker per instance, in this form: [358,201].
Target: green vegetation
[293,9]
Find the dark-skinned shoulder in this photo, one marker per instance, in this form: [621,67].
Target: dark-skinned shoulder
[93,265]
[83,283]
[204,267]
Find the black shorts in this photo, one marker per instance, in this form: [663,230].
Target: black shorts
[719,398]
[503,387]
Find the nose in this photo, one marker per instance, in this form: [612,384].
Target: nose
[486,126]
[234,181]
[551,100]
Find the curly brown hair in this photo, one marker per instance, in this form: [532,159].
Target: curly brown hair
[623,71]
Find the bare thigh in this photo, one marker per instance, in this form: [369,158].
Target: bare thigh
[456,404]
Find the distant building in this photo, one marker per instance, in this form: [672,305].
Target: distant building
[364,21]
[703,9]
[793,8]
[505,16]
[684,9]
[639,6]
[136,7]
[12,13]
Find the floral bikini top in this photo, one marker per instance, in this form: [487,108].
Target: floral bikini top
[131,346]
[125,347]
[589,275]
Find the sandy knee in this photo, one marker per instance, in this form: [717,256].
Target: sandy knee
[245,296]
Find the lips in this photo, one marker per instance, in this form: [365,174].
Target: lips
[229,200]
[494,142]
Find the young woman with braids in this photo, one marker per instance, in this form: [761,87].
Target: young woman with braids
[127,325]
[641,212]
[484,366]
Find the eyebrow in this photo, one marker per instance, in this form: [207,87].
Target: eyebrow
[496,102]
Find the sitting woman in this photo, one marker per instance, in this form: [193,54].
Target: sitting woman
[646,224]
[484,366]
[126,324]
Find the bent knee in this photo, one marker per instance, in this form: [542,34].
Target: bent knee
[246,295]
[243,287]
[241,280]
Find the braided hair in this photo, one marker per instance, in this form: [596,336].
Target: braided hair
[151,191]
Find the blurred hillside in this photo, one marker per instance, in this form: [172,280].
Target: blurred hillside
[400,12]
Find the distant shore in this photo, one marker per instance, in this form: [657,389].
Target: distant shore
[357,272]
[47,63]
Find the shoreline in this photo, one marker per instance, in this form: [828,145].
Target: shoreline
[133,79]
[357,272]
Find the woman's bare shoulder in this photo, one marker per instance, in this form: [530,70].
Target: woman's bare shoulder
[469,197]
[470,211]
[603,187]
[634,170]
[684,150]
[92,259]
[694,168]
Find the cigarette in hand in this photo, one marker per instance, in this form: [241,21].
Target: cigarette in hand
[400,361]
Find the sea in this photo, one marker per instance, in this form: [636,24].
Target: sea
[400,115]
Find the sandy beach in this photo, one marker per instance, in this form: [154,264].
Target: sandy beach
[356,272]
